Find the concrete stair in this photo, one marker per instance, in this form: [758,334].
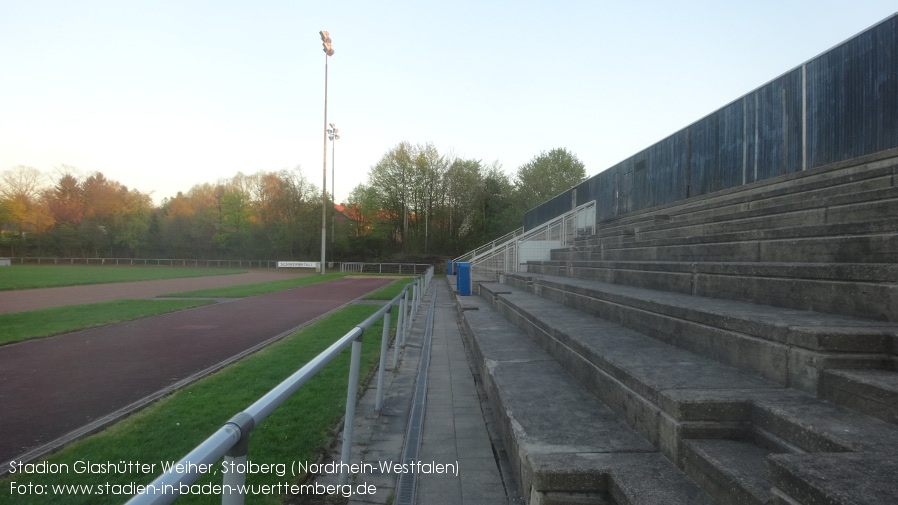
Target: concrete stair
[739,348]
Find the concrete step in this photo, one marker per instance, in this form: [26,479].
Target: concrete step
[838,205]
[826,182]
[866,248]
[787,346]
[856,290]
[592,457]
[833,478]
[641,378]
[733,472]
[807,210]
[873,392]
[671,396]
[778,228]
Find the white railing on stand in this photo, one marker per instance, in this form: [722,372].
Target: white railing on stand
[512,252]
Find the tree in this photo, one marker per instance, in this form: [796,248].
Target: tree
[26,215]
[546,176]
[391,178]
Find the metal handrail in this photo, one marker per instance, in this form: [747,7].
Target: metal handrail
[508,237]
[507,245]
[231,441]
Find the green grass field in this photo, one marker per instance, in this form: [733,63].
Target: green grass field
[20,326]
[169,428]
[260,288]
[45,276]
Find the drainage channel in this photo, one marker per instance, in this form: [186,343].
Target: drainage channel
[405,489]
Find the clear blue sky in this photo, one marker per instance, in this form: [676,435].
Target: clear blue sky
[162,95]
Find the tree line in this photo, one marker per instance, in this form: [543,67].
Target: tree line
[416,202]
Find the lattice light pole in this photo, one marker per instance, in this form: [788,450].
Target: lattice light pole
[328,51]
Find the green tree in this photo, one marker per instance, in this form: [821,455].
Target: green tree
[546,176]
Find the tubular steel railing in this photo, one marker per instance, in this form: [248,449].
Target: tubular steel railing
[383,268]
[511,252]
[231,441]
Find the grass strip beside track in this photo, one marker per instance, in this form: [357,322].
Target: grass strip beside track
[46,276]
[21,326]
[260,288]
[389,291]
[169,428]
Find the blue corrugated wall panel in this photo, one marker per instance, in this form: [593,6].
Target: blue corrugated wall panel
[838,106]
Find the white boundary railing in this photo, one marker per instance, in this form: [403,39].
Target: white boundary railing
[172,262]
[511,252]
[231,441]
[384,268]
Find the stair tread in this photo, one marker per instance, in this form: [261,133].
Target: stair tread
[644,363]
[737,470]
[593,450]
[676,379]
[842,272]
[789,326]
[874,392]
[846,478]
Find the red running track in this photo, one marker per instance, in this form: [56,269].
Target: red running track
[51,386]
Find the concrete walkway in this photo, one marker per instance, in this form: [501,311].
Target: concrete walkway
[458,429]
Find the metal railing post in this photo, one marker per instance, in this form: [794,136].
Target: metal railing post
[415,294]
[405,321]
[384,344]
[351,393]
[235,459]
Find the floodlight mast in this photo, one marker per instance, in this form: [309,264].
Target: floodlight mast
[328,51]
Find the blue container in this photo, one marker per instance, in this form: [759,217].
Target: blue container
[463,278]
[449,268]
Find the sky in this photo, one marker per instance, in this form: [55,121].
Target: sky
[162,95]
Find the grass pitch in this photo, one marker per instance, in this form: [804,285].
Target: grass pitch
[46,276]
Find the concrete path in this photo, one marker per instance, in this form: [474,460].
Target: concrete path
[458,425]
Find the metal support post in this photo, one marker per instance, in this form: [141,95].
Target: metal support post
[384,344]
[400,323]
[396,349]
[235,461]
[351,392]
[404,308]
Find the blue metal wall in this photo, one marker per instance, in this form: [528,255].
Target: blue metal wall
[838,106]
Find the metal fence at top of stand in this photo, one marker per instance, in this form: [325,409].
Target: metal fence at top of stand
[231,441]
[513,253]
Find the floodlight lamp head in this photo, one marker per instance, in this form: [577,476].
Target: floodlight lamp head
[326,42]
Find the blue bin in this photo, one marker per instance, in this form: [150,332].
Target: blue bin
[449,268]
[463,278]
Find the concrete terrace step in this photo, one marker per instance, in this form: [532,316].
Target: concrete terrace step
[733,472]
[787,346]
[653,376]
[864,248]
[849,208]
[591,457]
[678,400]
[855,289]
[778,228]
[873,392]
[844,205]
[851,177]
